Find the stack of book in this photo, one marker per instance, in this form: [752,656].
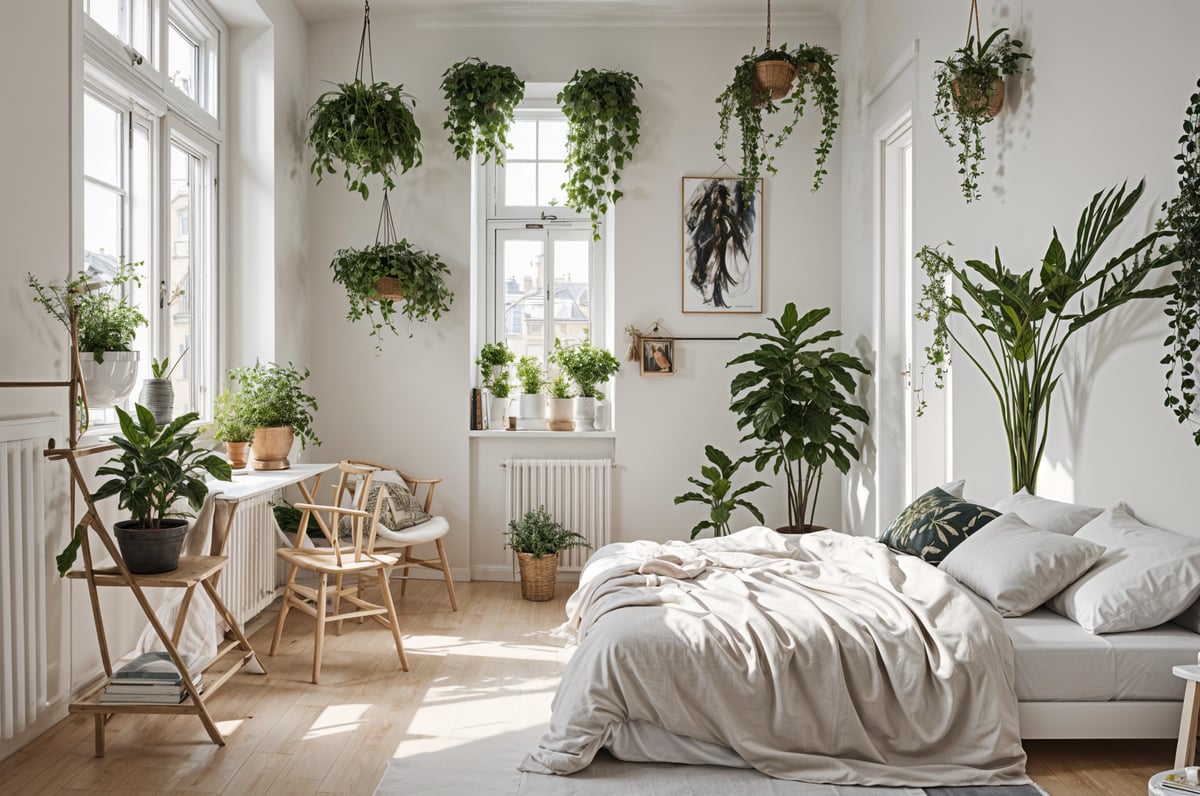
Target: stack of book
[152,678]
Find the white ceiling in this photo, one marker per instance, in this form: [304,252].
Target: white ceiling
[656,12]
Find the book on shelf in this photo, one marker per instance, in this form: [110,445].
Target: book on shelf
[157,666]
[148,687]
[1178,783]
[142,699]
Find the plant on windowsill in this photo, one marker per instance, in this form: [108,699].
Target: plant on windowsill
[1023,327]
[158,393]
[480,101]
[156,467]
[493,362]
[749,101]
[603,120]
[537,540]
[796,404]
[718,494]
[272,402]
[588,367]
[1183,303]
[231,426]
[560,406]
[970,93]
[532,407]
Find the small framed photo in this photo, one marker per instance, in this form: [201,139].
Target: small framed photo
[658,356]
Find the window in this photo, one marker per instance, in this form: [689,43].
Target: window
[127,20]
[545,273]
[150,181]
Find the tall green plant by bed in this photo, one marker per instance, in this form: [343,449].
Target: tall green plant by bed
[603,120]
[480,101]
[1021,328]
[366,126]
[748,102]
[1183,304]
[717,492]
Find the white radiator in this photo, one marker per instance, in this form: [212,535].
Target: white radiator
[247,585]
[32,596]
[576,492]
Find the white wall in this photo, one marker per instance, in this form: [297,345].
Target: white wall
[407,405]
[1103,102]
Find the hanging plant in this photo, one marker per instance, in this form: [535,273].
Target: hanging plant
[1183,304]
[602,130]
[367,127]
[970,93]
[480,101]
[392,272]
[752,95]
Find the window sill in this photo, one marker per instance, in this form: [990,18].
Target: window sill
[545,434]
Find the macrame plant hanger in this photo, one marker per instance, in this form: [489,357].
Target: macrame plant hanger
[973,19]
[366,58]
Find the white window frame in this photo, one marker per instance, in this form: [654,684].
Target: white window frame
[539,110]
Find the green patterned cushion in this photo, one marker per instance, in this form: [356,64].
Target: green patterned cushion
[934,524]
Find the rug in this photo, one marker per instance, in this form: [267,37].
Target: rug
[489,765]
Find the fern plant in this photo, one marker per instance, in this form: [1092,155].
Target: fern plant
[539,535]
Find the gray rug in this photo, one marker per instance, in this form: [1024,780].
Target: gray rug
[488,765]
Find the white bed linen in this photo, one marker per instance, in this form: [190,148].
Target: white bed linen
[1059,661]
[838,661]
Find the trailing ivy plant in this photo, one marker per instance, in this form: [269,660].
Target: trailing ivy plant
[603,120]
[966,84]
[480,101]
[368,128]
[1021,328]
[1183,304]
[493,362]
[749,103]
[421,275]
[718,494]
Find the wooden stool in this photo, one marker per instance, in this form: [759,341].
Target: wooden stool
[1185,751]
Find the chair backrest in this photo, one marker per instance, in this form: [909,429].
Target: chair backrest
[352,489]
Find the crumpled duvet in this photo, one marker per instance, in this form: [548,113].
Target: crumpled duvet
[832,660]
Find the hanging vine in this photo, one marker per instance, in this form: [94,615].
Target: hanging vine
[1183,305]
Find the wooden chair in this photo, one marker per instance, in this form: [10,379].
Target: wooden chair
[402,541]
[358,558]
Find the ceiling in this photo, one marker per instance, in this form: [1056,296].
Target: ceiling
[658,12]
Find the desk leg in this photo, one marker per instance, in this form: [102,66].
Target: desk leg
[1185,751]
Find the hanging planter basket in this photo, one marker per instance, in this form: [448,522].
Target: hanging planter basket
[977,98]
[775,77]
[388,289]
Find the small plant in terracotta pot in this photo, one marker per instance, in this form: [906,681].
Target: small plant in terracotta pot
[279,410]
[231,427]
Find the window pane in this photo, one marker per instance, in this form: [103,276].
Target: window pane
[139,23]
[101,228]
[140,192]
[183,176]
[552,140]
[522,140]
[108,13]
[572,295]
[551,176]
[520,184]
[523,268]
[183,58]
[102,139]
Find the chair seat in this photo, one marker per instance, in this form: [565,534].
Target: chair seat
[324,560]
[431,530]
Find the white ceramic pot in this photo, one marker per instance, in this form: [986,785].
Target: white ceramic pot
[108,382]
[531,413]
[603,416]
[585,413]
[498,417]
[559,412]
[158,395]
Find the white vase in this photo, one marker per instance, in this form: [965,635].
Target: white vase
[108,382]
[559,412]
[498,417]
[603,416]
[531,412]
[585,413]
[158,395]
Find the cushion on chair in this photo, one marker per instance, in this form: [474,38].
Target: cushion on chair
[428,531]
[400,508]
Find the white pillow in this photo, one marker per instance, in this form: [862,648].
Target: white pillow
[954,488]
[1145,577]
[1048,515]
[1016,567]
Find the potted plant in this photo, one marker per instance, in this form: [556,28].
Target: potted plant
[1021,327]
[795,403]
[532,407]
[157,466]
[969,94]
[106,324]
[749,100]
[1183,303]
[537,539]
[158,393]
[231,427]
[560,406]
[270,398]
[717,492]
[588,367]
[602,131]
[493,362]
[480,101]
[377,277]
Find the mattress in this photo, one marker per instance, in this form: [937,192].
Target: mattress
[1059,661]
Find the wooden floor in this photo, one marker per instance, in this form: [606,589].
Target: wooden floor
[487,669]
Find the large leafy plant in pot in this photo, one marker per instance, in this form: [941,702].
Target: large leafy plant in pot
[1021,327]
[481,99]
[157,467]
[272,401]
[795,402]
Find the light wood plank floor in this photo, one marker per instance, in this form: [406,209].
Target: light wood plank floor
[485,670]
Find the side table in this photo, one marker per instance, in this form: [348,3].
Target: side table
[1185,750]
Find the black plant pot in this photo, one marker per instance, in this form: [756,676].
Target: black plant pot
[148,552]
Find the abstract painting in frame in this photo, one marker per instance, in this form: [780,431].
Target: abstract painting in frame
[722,246]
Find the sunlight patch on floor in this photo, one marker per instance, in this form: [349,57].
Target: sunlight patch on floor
[337,719]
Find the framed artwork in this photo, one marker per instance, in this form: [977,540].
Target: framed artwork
[722,246]
[658,356]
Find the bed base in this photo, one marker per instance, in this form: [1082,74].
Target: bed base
[1045,720]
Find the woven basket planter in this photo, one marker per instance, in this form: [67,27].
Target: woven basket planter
[775,77]
[970,93]
[537,576]
[389,289]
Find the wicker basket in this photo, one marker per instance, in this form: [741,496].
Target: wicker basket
[389,289]
[774,76]
[965,91]
[537,576]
